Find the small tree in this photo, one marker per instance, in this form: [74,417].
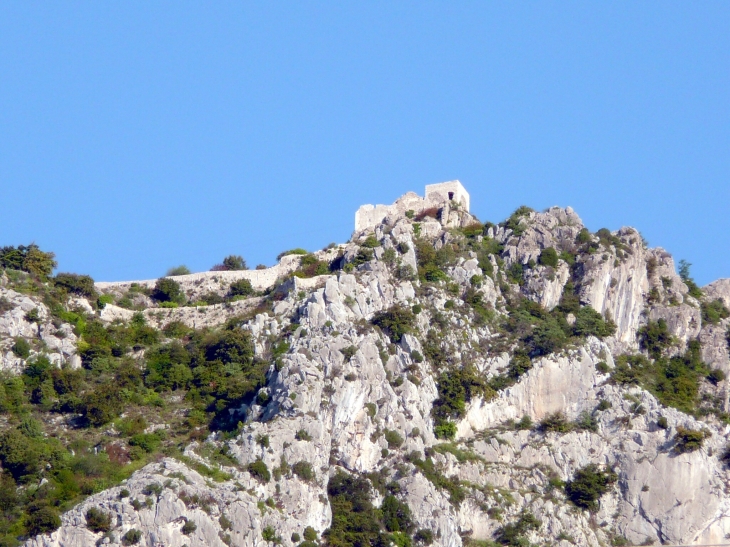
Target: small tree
[241,287]
[234,262]
[588,485]
[167,290]
[395,322]
[82,285]
[259,470]
[548,257]
[178,270]
[689,440]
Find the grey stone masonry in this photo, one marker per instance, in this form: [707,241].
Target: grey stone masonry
[369,216]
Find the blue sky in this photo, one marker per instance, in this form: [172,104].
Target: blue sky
[137,136]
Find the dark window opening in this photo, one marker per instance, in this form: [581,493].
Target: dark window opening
[451,195]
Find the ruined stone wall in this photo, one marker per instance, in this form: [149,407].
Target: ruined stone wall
[368,216]
[260,279]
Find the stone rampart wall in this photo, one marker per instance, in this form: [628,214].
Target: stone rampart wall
[260,279]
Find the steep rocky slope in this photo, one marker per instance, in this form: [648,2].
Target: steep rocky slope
[436,381]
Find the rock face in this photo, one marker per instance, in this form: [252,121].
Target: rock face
[346,397]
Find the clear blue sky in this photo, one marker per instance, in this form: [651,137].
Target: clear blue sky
[136,136]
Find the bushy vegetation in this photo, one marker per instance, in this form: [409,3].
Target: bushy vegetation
[513,534]
[515,221]
[452,485]
[689,440]
[684,273]
[240,287]
[588,485]
[28,258]
[211,370]
[714,312]
[168,290]
[456,388]
[178,270]
[230,263]
[673,381]
[357,522]
[548,257]
[395,322]
[80,285]
[537,331]
[311,266]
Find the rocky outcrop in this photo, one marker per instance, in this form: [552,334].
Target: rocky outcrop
[347,397]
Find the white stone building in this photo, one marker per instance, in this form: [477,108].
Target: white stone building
[369,216]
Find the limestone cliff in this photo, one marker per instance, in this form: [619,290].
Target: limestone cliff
[544,396]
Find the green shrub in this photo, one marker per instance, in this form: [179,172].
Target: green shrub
[303,435]
[178,270]
[587,422]
[424,536]
[684,273]
[152,489]
[584,236]
[241,287]
[149,442]
[655,337]
[556,422]
[355,521]
[189,527]
[259,470]
[674,382]
[82,285]
[588,485]
[689,440]
[132,537]
[548,257]
[42,520]
[234,263]
[176,329]
[21,348]
[445,430]
[714,312]
[102,405]
[518,365]
[310,534]
[371,242]
[363,256]
[104,299]
[97,520]
[395,322]
[28,259]
[269,534]
[513,534]
[396,515]
[588,322]
[348,353]
[167,290]
[662,422]
[303,470]
[514,222]
[393,439]
[456,388]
